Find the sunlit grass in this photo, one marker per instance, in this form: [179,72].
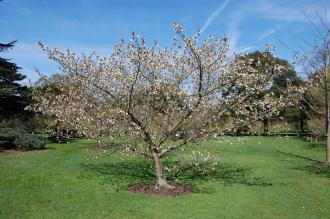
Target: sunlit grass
[258,177]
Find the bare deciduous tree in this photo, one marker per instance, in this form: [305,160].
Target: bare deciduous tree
[315,58]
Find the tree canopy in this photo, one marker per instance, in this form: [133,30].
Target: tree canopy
[165,98]
[13,96]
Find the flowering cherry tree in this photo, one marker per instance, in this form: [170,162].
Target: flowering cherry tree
[166,97]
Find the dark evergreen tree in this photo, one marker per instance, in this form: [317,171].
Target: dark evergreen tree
[13,96]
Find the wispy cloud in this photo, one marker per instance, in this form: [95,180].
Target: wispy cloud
[26,52]
[29,56]
[186,18]
[245,49]
[286,11]
[268,33]
[214,15]
[234,31]
[16,8]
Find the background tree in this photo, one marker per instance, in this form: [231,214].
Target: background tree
[13,96]
[316,104]
[13,99]
[315,60]
[154,94]
[261,61]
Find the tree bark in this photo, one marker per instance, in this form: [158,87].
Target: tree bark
[328,148]
[266,130]
[326,99]
[302,128]
[161,182]
[327,115]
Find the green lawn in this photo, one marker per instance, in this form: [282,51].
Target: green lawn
[263,178]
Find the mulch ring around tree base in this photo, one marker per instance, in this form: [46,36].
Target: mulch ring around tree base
[150,189]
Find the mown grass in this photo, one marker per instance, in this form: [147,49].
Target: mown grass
[263,177]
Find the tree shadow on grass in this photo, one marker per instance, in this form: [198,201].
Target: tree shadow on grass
[120,171]
[317,145]
[113,146]
[296,156]
[10,149]
[126,173]
[316,167]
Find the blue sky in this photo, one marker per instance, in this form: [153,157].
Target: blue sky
[87,25]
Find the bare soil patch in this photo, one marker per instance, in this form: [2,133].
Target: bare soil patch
[150,189]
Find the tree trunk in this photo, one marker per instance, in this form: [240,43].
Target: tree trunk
[302,128]
[326,100]
[161,183]
[328,147]
[265,121]
[99,143]
[327,115]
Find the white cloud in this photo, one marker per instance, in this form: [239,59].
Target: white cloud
[214,15]
[286,11]
[281,10]
[268,33]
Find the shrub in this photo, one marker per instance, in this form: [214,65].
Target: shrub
[20,138]
[9,135]
[29,142]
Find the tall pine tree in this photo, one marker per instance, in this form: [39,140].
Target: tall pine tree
[13,96]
